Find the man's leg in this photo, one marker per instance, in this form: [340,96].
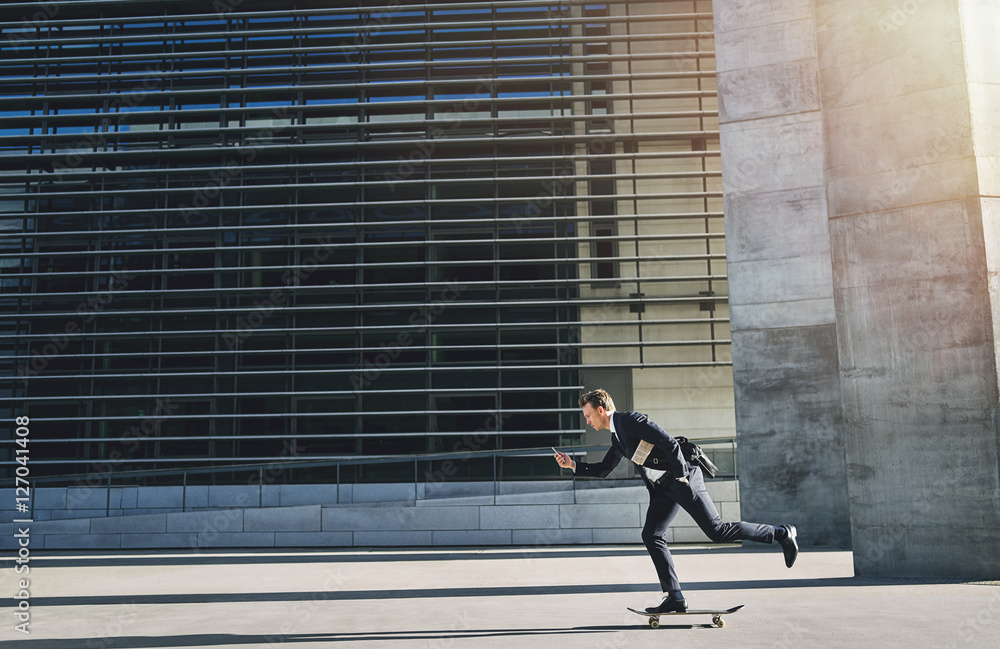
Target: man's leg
[694,498]
[662,511]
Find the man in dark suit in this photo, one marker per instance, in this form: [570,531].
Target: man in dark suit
[673,483]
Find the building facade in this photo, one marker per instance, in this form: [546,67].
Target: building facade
[241,232]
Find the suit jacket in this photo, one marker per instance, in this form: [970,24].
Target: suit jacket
[632,428]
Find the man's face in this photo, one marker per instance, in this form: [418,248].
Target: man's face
[597,417]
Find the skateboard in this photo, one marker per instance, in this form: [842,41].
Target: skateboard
[654,618]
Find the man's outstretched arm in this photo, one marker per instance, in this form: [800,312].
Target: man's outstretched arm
[591,469]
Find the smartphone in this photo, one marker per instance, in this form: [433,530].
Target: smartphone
[555,451]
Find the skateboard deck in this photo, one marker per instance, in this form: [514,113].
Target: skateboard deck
[654,618]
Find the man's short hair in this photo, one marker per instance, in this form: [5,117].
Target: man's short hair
[597,398]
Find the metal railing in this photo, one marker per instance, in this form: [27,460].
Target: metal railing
[722,452]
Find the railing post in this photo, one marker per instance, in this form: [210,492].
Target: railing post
[260,487]
[107,501]
[573,485]
[415,469]
[338,483]
[496,479]
[184,491]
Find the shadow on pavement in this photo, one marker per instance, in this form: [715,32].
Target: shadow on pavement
[362,555]
[222,639]
[299,555]
[416,593]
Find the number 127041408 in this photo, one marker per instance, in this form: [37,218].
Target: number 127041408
[22,488]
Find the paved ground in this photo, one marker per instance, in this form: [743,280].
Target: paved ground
[472,598]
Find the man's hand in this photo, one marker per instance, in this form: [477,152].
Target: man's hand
[682,480]
[565,461]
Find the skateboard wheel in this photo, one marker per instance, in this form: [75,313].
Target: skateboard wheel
[719,622]
[654,622]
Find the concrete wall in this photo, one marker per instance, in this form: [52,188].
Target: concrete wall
[910,108]
[519,516]
[785,365]
[860,165]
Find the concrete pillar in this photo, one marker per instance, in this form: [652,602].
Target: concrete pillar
[788,402]
[910,100]
[880,150]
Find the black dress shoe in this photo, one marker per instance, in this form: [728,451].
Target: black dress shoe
[790,546]
[669,605]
